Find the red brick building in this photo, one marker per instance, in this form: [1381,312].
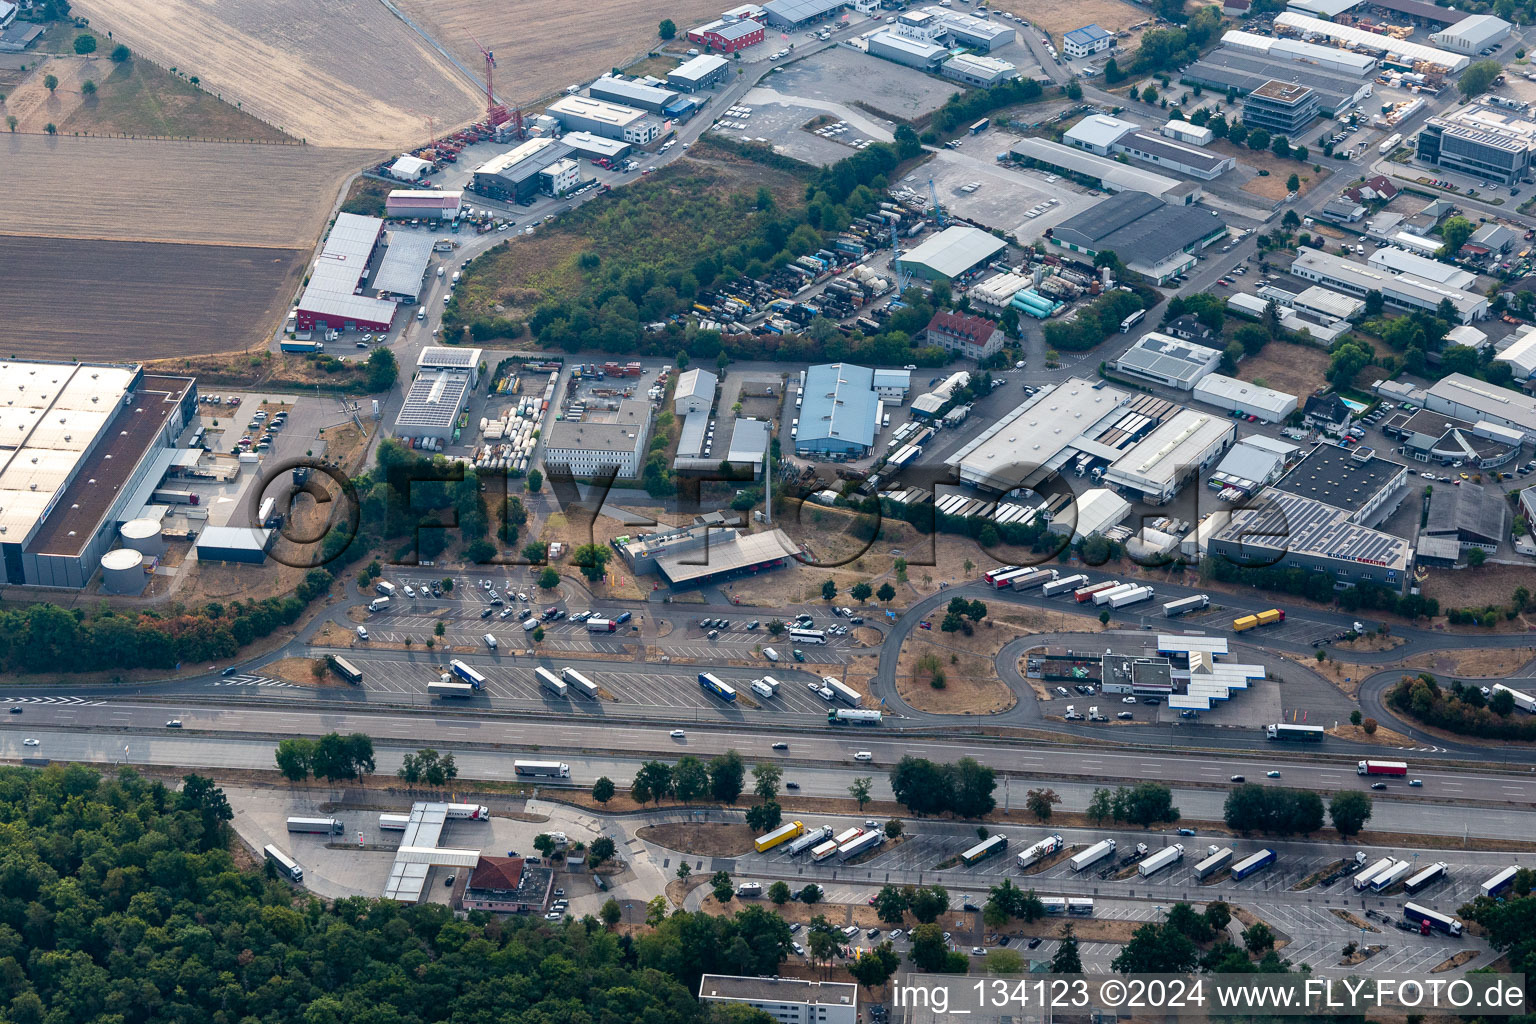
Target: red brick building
[972,337]
[728,35]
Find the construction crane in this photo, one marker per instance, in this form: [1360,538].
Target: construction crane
[938,211]
[903,275]
[496,113]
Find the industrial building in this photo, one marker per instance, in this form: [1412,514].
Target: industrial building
[1287,531]
[839,411]
[1089,39]
[593,147]
[1183,131]
[1430,436]
[1364,486]
[728,34]
[1401,261]
[1324,328]
[914,53]
[793,14]
[1096,511]
[1468,398]
[706,552]
[951,253]
[1243,398]
[444,380]
[981,35]
[1156,467]
[750,440]
[1252,463]
[1493,143]
[632,93]
[1109,136]
[786,1000]
[970,337]
[978,71]
[331,298]
[1028,443]
[1111,175]
[409,168]
[701,72]
[695,392]
[420,203]
[1327,305]
[402,270]
[1283,108]
[89,444]
[595,449]
[514,175]
[891,386]
[610,120]
[1339,79]
[1156,239]
[244,544]
[1466,517]
[1520,354]
[1167,360]
[1399,51]
[1472,34]
[1406,290]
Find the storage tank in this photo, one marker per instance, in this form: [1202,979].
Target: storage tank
[122,572]
[143,536]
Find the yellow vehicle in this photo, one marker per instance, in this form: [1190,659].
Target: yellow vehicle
[1267,617]
[779,835]
[1464,476]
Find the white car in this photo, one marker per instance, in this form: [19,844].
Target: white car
[1127,700]
[409,592]
[29,742]
[678,734]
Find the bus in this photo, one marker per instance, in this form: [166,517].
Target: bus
[286,865]
[807,636]
[984,849]
[1131,321]
[344,668]
[466,673]
[717,686]
[783,833]
[548,769]
[394,822]
[449,688]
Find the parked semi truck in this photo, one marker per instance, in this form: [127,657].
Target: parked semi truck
[1062,585]
[1218,859]
[1185,605]
[322,826]
[1248,865]
[1366,875]
[1381,768]
[1429,876]
[1164,858]
[583,685]
[1296,733]
[1499,882]
[810,840]
[1091,856]
[1039,851]
[1034,578]
[601,626]
[551,682]
[1427,919]
[1133,596]
[1103,597]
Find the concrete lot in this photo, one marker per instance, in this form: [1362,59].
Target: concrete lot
[1005,193]
[843,75]
[779,116]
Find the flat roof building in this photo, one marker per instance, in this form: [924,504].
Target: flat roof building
[952,253]
[979,34]
[1152,237]
[433,403]
[1034,440]
[1472,33]
[1112,175]
[442,357]
[1249,466]
[595,449]
[610,120]
[442,204]
[838,410]
[1471,399]
[1359,39]
[706,553]
[1356,481]
[402,269]
[892,385]
[1241,397]
[786,1000]
[1081,42]
[330,299]
[797,13]
[1287,531]
[514,175]
[1110,136]
[1430,436]
[1158,465]
[247,544]
[1284,108]
[1483,140]
[1168,360]
[591,146]
[914,53]
[981,72]
[631,93]
[1244,61]
[701,72]
[1096,511]
[1404,290]
[1327,304]
[1401,261]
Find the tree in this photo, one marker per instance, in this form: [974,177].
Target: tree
[765,779]
[893,828]
[1040,801]
[603,789]
[720,886]
[611,913]
[927,902]
[1066,959]
[775,627]
[828,590]
[683,871]
[667,29]
[1006,961]
[690,779]
[1349,811]
[1157,949]
[726,774]
[1456,230]
[600,851]
[1258,139]
[1218,914]
[1478,77]
[929,951]
[120,53]
[1104,617]
[1369,726]
[1290,221]
[538,635]
[899,567]
[549,579]
[11,122]
[766,816]
[1099,806]
[860,592]
[85,43]
[1280,146]
[1258,937]
[875,967]
[50,82]
[1355,717]
[1293,183]
[1146,803]
[592,559]
[886,593]
[199,795]
[778,893]
[88,88]
[294,758]
[811,894]
[860,791]
[652,782]
[891,904]
[1476,557]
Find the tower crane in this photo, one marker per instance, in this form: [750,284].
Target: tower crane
[497,113]
[938,211]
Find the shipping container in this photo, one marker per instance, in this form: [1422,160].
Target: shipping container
[1252,863]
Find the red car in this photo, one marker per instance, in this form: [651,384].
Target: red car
[925,624]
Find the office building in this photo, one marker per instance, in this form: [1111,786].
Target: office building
[1435,437]
[786,1000]
[610,120]
[1168,360]
[891,386]
[1288,531]
[1487,141]
[970,337]
[514,175]
[1363,485]
[1089,39]
[1283,108]
[728,34]
[1156,239]
[1406,290]
[596,449]
[444,380]
[980,35]
[838,411]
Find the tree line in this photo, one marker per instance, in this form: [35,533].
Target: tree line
[963,788]
[1461,709]
[1146,803]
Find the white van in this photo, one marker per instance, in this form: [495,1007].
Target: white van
[490,641]
[362,634]
[863,755]
[529,624]
[770,654]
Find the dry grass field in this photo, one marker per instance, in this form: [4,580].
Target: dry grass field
[89,299]
[1294,369]
[129,189]
[346,73]
[1059,18]
[531,64]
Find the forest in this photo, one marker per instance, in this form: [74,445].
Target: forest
[121,903]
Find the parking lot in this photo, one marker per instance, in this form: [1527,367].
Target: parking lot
[842,75]
[1005,194]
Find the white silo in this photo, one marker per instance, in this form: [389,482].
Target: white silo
[143,535]
[122,572]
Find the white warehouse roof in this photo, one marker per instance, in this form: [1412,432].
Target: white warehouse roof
[1369,40]
[955,250]
[1097,131]
[1230,393]
[1097,509]
[1155,463]
[1521,355]
[1117,177]
[1404,262]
